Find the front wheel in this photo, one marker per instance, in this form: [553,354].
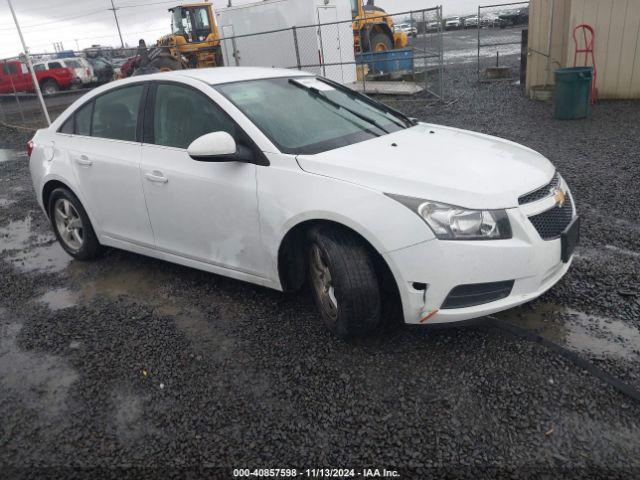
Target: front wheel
[343,282]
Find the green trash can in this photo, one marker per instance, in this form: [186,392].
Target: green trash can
[573,86]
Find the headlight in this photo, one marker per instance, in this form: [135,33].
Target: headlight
[456,223]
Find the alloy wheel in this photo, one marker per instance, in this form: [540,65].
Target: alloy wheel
[68,224]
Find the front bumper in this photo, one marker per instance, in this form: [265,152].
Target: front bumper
[534,265]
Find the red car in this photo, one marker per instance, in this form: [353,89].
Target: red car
[15,77]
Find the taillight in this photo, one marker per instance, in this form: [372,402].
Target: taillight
[29,148]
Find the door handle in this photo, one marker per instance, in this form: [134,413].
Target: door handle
[84,161]
[156,177]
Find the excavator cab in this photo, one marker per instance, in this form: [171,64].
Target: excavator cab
[192,22]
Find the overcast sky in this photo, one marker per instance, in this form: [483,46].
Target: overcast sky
[81,23]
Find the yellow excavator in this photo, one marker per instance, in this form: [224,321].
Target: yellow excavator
[373,29]
[194,41]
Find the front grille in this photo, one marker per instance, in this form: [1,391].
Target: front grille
[476,294]
[551,223]
[542,192]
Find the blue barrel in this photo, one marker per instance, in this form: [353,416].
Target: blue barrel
[573,86]
[387,62]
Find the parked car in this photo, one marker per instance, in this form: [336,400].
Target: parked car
[336,189]
[471,22]
[453,23]
[408,28]
[82,69]
[102,69]
[514,18]
[15,76]
[433,26]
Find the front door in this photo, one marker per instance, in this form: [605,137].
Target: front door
[205,211]
[106,159]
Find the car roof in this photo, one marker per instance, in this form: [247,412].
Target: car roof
[217,75]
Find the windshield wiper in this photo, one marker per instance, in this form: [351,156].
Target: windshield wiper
[399,116]
[318,94]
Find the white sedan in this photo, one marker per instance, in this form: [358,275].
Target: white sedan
[278,177]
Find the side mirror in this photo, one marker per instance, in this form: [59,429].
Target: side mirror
[218,147]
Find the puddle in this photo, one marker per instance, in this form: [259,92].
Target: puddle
[59,299]
[7,154]
[15,236]
[46,255]
[579,331]
[44,258]
[41,381]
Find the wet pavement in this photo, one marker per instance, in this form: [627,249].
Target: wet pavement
[131,361]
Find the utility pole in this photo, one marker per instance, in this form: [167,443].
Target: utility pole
[36,85]
[115,15]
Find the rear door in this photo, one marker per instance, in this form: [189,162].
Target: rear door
[105,154]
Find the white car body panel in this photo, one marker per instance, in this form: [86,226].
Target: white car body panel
[231,218]
[432,162]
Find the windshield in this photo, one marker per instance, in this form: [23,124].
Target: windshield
[306,115]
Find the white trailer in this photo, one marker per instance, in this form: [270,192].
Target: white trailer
[331,45]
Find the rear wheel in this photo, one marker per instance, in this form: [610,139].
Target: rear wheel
[343,282]
[72,226]
[166,64]
[50,87]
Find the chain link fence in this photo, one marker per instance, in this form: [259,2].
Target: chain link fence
[372,60]
[399,54]
[499,54]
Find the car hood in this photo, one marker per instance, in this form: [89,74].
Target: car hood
[438,163]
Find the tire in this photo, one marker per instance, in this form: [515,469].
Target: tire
[166,64]
[349,298]
[380,42]
[83,244]
[49,87]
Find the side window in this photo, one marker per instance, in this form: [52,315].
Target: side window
[67,126]
[13,68]
[181,115]
[39,67]
[83,120]
[115,114]
[53,65]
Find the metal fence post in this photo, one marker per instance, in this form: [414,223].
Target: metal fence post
[295,44]
[441,59]
[321,54]
[30,65]
[479,22]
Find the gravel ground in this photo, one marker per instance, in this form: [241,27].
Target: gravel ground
[132,362]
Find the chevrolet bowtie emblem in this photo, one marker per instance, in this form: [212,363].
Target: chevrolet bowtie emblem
[560,197]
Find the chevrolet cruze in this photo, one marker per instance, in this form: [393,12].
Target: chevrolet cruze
[282,178]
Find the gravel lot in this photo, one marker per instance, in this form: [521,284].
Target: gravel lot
[128,361]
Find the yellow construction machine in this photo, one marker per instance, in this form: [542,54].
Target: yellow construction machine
[194,41]
[373,29]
